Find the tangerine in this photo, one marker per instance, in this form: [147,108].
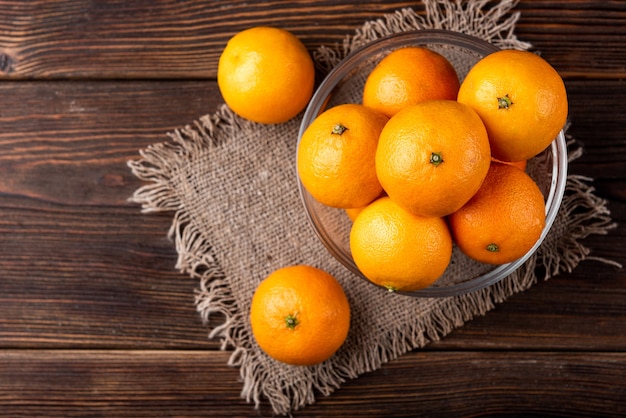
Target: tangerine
[503,220]
[432,157]
[335,159]
[521,99]
[354,212]
[408,76]
[398,250]
[300,315]
[266,75]
[519,164]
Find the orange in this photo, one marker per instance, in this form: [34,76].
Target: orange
[300,315]
[354,212]
[503,220]
[398,250]
[336,154]
[408,76]
[521,99]
[266,75]
[432,157]
[519,164]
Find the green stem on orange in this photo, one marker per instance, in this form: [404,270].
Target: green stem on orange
[493,248]
[436,158]
[291,321]
[339,129]
[391,289]
[504,102]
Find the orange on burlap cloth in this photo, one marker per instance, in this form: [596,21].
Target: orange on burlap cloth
[231,185]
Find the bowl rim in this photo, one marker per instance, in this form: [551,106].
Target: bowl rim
[558,149]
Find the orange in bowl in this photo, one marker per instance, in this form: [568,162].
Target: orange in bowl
[336,155]
[345,84]
[503,220]
[521,99]
[408,76]
[398,250]
[433,156]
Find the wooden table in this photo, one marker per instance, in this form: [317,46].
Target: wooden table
[96,321]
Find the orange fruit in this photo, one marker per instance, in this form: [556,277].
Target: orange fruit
[432,157]
[398,250]
[408,76]
[354,212]
[504,220]
[336,154]
[300,315]
[521,99]
[266,75]
[519,164]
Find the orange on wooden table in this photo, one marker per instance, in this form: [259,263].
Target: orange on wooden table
[503,220]
[521,99]
[335,159]
[300,315]
[398,250]
[433,156]
[266,75]
[408,76]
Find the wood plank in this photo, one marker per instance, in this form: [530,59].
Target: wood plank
[68,143]
[183,39]
[121,383]
[580,38]
[81,266]
[561,314]
[487,383]
[196,383]
[85,277]
[155,39]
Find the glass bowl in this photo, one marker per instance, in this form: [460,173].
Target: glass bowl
[344,84]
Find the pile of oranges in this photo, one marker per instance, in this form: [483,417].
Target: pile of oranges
[424,162]
[438,162]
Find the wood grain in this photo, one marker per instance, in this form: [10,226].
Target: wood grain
[183,39]
[580,38]
[155,39]
[68,142]
[193,384]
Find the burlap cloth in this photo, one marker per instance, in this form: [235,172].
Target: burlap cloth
[231,185]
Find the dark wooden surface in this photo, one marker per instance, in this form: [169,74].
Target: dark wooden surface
[95,320]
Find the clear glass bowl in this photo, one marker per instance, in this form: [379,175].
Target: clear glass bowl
[344,84]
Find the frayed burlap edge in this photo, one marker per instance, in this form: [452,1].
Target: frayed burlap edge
[582,211]
[158,166]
